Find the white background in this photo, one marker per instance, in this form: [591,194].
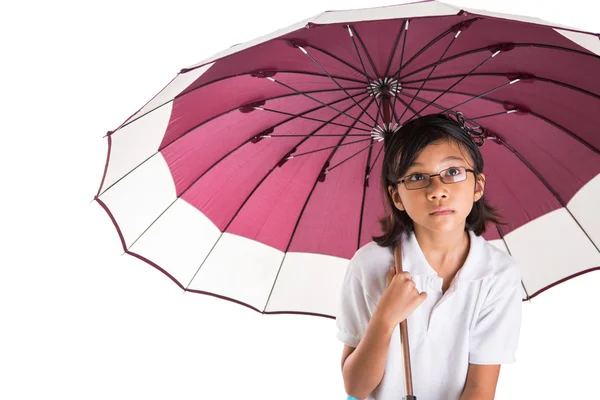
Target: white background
[80,321]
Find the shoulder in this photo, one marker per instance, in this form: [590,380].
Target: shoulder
[503,269]
[370,264]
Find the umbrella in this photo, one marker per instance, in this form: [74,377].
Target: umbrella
[228,181]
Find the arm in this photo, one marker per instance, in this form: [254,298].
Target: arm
[363,368]
[481,382]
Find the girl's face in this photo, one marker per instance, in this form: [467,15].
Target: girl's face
[459,196]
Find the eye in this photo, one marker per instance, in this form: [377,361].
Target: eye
[416,177]
[453,171]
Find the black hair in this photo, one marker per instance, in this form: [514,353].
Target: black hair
[402,148]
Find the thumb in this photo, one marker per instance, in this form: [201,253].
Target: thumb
[391,274]
[422,296]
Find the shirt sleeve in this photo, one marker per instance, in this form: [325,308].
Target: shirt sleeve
[495,335]
[354,309]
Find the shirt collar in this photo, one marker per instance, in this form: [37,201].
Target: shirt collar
[475,266]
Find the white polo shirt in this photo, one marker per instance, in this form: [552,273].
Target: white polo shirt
[477,320]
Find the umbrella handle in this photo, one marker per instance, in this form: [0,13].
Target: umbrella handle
[408,386]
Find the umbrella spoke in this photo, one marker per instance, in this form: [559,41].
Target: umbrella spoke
[302,211]
[303,50]
[461,79]
[475,97]
[187,92]
[308,118]
[320,102]
[374,162]
[397,78]
[509,252]
[493,115]
[338,59]
[349,158]
[556,195]
[364,69]
[387,70]
[241,206]
[237,108]
[405,104]
[431,72]
[308,135]
[433,41]
[548,120]
[514,45]
[445,109]
[327,148]
[274,126]
[499,74]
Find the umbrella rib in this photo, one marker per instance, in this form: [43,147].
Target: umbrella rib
[352,156]
[308,118]
[459,81]
[558,126]
[303,50]
[560,200]
[190,91]
[397,78]
[432,42]
[442,107]
[338,59]
[387,70]
[323,135]
[537,78]
[319,101]
[362,45]
[254,190]
[364,69]
[476,97]
[218,161]
[489,115]
[405,104]
[326,148]
[237,108]
[479,50]
[362,204]
[509,253]
[302,211]
[207,121]
[430,72]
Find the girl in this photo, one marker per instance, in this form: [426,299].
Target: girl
[460,294]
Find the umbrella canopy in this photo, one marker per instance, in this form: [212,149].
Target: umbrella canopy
[254,175]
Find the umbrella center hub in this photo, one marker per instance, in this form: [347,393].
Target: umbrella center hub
[384,86]
[381,131]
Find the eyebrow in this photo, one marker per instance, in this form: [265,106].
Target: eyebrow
[456,158]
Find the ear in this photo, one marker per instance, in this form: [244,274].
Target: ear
[395,197]
[479,187]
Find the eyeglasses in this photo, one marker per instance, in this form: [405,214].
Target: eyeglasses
[449,175]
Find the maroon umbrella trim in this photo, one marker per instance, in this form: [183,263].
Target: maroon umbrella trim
[140,257]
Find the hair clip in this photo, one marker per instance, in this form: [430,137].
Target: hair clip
[476,132]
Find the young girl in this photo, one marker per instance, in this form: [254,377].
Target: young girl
[460,294]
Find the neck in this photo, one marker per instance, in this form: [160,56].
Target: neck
[444,251]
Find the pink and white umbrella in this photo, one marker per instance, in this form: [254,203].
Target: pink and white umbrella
[253,176]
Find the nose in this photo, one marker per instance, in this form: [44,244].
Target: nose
[437,188]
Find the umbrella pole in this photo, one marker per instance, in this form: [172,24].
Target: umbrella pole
[408,386]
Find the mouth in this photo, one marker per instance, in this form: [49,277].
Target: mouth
[444,211]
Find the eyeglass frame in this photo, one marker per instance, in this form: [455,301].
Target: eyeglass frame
[403,179]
